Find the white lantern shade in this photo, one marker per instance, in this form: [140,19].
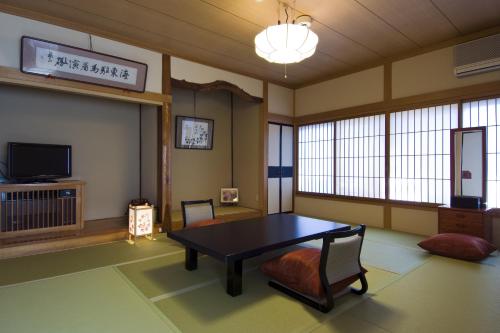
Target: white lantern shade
[286,43]
[140,220]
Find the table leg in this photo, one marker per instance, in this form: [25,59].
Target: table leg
[191,259]
[234,277]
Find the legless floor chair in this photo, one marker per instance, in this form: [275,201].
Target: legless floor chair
[198,213]
[315,277]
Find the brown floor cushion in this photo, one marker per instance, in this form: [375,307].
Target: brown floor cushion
[458,246]
[204,223]
[299,270]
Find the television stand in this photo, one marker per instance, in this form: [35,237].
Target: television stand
[40,208]
[36,181]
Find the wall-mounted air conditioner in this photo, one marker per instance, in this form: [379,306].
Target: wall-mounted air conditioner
[477,56]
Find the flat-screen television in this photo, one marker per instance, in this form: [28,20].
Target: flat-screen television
[36,162]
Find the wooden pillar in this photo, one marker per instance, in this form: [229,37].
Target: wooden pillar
[387,99]
[165,151]
[263,149]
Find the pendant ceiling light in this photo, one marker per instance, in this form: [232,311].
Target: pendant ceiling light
[288,42]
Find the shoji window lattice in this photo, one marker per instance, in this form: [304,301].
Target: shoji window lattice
[486,112]
[360,157]
[315,158]
[420,153]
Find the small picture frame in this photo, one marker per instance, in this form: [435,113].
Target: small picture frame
[194,133]
[229,196]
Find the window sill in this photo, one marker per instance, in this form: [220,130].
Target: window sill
[371,201]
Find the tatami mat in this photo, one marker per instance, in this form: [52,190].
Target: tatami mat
[442,295]
[346,323]
[46,265]
[167,274]
[259,309]
[117,287]
[389,256]
[94,301]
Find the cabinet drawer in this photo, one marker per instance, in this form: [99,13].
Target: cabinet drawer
[449,215]
[458,228]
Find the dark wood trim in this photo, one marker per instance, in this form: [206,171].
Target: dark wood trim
[12,76]
[279,118]
[264,133]
[164,191]
[387,216]
[370,201]
[387,174]
[452,158]
[455,95]
[387,82]
[335,197]
[216,85]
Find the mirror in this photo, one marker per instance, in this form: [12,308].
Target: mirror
[468,162]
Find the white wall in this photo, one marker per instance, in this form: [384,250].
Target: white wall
[200,174]
[104,135]
[341,211]
[246,143]
[12,28]
[280,100]
[181,69]
[149,153]
[351,90]
[431,72]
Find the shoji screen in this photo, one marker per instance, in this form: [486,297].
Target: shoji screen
[486,112]
[280,169]
[420,153]
[315,173]
[360,152]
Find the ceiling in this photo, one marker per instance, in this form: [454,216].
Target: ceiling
[352,33]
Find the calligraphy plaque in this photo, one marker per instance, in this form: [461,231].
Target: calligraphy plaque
[46,58]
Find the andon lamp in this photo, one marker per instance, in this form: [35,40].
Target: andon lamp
[140,221]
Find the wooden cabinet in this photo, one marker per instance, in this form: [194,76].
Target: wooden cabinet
[37,209]
[474,222]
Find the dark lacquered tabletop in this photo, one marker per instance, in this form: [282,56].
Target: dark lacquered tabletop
[248,238]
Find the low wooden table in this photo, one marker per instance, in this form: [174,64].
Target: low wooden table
[235,241]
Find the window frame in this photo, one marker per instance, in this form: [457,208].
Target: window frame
[335,195]
[457,95]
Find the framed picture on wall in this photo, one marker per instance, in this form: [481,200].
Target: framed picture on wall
[42,57]
[193,133]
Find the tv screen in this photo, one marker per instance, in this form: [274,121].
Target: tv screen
[38,161]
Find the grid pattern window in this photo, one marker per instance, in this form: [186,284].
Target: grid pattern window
[315,158]
[360,157]
[420,154]
[487,113]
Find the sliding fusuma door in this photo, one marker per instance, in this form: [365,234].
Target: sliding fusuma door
[280,169]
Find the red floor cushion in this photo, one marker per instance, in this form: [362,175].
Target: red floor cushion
[204,223]
[299,270]
[458,246]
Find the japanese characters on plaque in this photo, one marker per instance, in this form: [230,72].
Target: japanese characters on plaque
[56,60]
[75,64]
